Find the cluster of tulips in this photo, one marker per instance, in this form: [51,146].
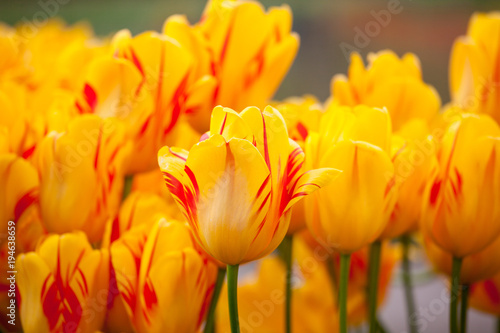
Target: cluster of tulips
[139,172]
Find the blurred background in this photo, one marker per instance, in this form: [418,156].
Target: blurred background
[328,29]
[425,27]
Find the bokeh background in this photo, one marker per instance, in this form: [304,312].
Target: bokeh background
[425,27]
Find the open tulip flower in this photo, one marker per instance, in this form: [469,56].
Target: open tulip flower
[165,282]
[390,82]
[63,285]
[236,187]
[474,66]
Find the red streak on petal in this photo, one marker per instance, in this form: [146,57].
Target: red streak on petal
[24,202]
[28,152]
[492,291]
[90,96]
[302,130]
[436,187]
[223,124]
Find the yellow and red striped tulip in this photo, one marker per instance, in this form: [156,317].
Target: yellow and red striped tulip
[413,155]
[81,175]
[144,84]
[474,66]
[475,267]
[237,187]
[165,283]
[63,285]
[302,115]
[485,295]
[461,207]
[251,51]
[354,209]
[388,81]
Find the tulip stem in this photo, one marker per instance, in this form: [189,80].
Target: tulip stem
[286,247]
[373,271]
[455,286]
[210,323]
[232,297]
[410,301]
[463,309]
[127,186]
[345,262]
[498,324]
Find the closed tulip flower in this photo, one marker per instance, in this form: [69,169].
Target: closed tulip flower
[354,209]
[81,175]
[461,208]
[63,285]
[485,295]
[166,283]
[251,50]
[474,66]
[236,188]
[143,84]
[387,81]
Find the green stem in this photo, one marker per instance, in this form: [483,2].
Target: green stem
[232,297]
[455,285]
[345,261]
[210,323]
[127,186]
[373,270]
[410,301]
[463,309]
[332,271]
[498,324]
[286,247]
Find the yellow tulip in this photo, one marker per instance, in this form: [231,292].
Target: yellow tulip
[164,281]
[144,84]
[475,267]
[81,175]
[302,115]
[63,285]
[251,50]
[474,66]
[485,295]
[236,188]
[461,207]
[413,155]
[390,82]
[354,209]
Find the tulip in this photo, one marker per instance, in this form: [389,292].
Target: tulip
[19,205]
[143,84]
[474,66]
[250,52]
[461,211]
[237,187]
[353,211]
[390,82]
[81,175]
[461,207]
[485,295]
[63,285]
[165,283]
